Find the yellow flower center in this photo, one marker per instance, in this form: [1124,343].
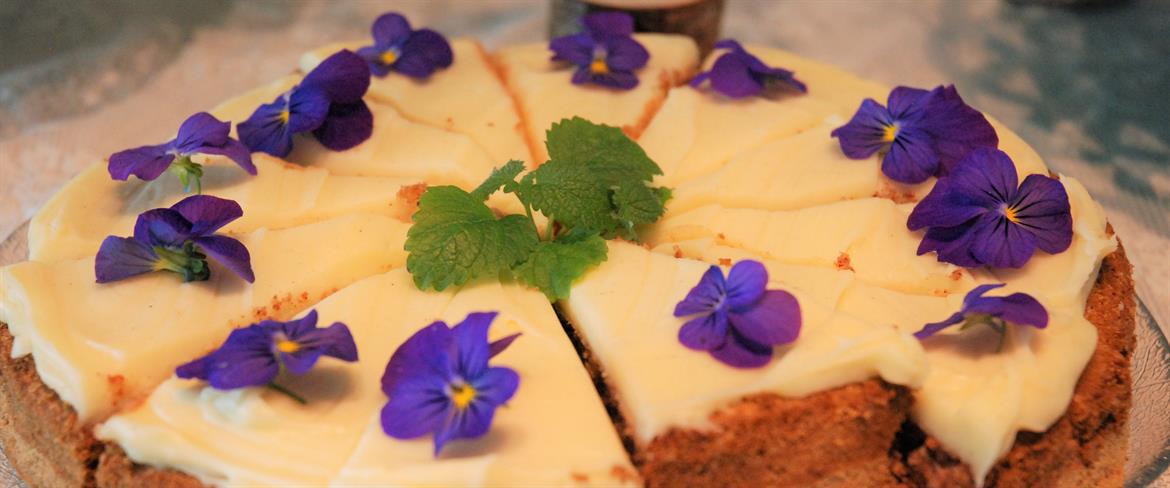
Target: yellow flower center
[599,67]
[890,133]
[462,395]
[283,116]
[286,346]
[1010,213]
[389,57]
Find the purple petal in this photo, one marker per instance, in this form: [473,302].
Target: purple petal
[988,172]
[625,54]
[265,131]
[740,352]
[953,245]
[300,362]
[1017,308]
[746,283]
[423,53]
[911,158]
[334,341]
[1042,208]
[705,296]
[425,354]
[576,49]
[730,44]
[308,108]
[932,328]
[201,129]
[228,252]
[146,162]
[730,76]
[344,77]
[245,359]
[998,242]
[415,409]
[206,213]
[233,150]
[948,204]
[197,369]
[774,320]
[471,343]
[704,333]
[957,128]
[390,29]
[346,126]
[162,227]
[862,136]
[904,103]
[294,329]
[498,346]
[496,386]
[469,423]
[119,258]
[698,80]
[609,23]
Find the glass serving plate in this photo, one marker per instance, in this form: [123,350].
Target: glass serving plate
[1149,440]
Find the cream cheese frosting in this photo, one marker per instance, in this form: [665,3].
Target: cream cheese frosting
[545,95]
[103,346]
[554,432]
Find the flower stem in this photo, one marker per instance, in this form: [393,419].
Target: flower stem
[287,392]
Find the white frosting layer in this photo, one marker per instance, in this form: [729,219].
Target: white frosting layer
[623,309]
[92,205]
[103,346]
[554,432]
[545,96]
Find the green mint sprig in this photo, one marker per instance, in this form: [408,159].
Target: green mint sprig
[595,186]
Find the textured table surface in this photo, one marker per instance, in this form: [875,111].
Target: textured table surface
[1087,87]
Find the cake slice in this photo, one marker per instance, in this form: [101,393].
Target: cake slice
[466,97]
[554,432]
[92,206]
[695,421]
[543,90]
[99,357]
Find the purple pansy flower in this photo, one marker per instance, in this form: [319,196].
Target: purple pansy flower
[201,133]
[414,53]
[739,74]
[177,239]
[1017,308]
[737,320]
[605,53]
[254,355]
[922,133]
[439,382]
[328,102]
[978,216]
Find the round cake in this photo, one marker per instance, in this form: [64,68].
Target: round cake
[597,261]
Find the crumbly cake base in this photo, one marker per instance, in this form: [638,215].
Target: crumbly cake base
[848,436]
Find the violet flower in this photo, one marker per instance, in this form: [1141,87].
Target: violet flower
[328,102]
[605,53]
[978,216]
[439,382]
[201,133]
[922,133]
[177,239]
[414,53]
[995,312]
[739,74]
[254,355]
[737,320]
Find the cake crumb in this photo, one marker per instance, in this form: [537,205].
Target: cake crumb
[579,477]
[678,251]
[889,192]
[843,262]
[725,261]
[409,195]
[117,384]
[957,274]
[304,296]
[940,293]
[624,474]
[260,313]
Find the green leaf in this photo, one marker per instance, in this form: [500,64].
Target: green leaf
[597,178]
[555,265]
[504,176]
[456,238]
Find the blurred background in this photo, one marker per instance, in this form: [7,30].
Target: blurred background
[1087,86]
